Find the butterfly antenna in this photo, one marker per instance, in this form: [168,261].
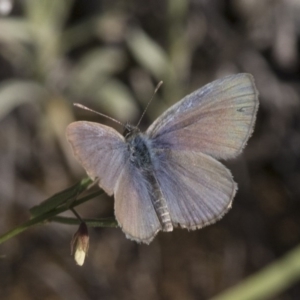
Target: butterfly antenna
[98,113]
[155,91]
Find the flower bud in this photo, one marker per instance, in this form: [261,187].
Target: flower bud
[80,244]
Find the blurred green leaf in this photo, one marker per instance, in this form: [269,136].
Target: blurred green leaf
[15,36]
[14,29]
[148,53]
[60,198]
[16,92]
[47,20]
[94,68]
[19,55]
[117,100]
[47,13]
[179,49]
[77,35]
[269,282]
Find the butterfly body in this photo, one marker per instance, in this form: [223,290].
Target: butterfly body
[144,159]
[168,176]
[138,146]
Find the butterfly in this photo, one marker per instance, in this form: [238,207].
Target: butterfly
[169,176]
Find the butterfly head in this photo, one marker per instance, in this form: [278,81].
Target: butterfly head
[130,130]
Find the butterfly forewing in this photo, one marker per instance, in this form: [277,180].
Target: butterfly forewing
[216,120]
[101,150]
[133,206]
[197,188]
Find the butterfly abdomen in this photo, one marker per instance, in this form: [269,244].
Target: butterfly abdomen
[141,158]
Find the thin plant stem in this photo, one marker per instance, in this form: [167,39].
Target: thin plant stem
[101,222]
[76,214]
[45,217]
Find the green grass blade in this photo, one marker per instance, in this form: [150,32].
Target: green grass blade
[45,217]
[269,282]
[148,53]
[60,198]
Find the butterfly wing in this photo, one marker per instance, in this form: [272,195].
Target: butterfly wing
[101,150]
[197,188]
[133,205]
[104,154]
[216,120]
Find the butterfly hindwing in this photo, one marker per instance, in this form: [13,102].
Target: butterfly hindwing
[134,209]
[198,189]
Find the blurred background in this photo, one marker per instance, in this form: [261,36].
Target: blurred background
[109,55]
